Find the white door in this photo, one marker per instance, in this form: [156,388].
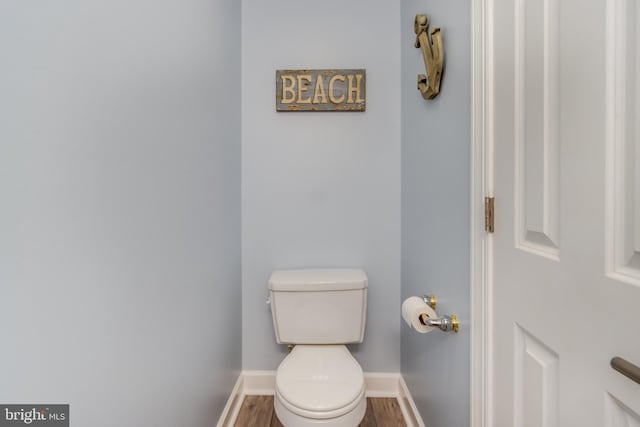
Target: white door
[564,107]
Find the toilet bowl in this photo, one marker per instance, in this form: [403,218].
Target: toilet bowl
[320,385]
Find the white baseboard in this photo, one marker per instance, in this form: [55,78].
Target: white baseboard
[377,384]
[408,406]
[381,384]
[259,383]
[232,408]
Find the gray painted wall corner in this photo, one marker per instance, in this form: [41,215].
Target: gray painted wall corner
[435,213]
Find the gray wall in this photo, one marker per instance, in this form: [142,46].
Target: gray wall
[435,213]
[120,193]
[321,189]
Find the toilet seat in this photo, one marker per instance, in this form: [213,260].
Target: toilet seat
[320,382]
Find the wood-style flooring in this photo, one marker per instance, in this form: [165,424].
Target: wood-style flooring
[257,411]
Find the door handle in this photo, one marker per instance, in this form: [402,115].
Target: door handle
[626,368]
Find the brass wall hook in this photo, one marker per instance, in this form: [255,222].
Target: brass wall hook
[433,54]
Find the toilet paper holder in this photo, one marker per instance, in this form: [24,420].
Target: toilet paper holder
[430,300]
[444,323]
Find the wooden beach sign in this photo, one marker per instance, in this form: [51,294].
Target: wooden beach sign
[321,90]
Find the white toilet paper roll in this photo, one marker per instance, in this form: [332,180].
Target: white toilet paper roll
[412,308]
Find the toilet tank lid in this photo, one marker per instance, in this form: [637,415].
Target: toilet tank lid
[326,279]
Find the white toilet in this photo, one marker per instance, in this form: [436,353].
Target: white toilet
[319,383]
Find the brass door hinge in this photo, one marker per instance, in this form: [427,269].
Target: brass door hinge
[489,214]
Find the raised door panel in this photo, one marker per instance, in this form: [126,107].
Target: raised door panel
[536,128]
[536,382]
[618,414]
[623,141]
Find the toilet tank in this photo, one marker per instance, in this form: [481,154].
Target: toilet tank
[318,306]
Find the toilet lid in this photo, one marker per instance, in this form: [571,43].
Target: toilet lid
[320,378]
